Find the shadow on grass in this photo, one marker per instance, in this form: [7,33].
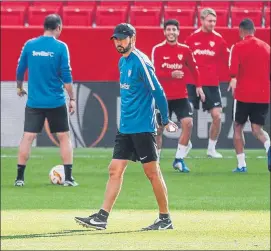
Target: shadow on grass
[66,233]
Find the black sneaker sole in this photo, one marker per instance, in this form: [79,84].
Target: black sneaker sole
[153,229]
[84,224]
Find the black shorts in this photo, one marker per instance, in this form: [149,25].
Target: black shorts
[212,97]
[256,112]
[181,107]
[137,146]
[57,119]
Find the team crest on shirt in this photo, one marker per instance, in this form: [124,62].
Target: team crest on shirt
[212,43]
[129,73]
[180,56]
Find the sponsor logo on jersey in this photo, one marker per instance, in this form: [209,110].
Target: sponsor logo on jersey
[172,66]
[180,56]
[124,86]
[204,52]
[42,54]
[212,43]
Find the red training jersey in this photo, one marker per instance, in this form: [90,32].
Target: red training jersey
[210,51]
[250,64]
[168,58]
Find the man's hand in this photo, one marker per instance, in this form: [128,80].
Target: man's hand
[177,74]
[171,126]
[21,92]
[232,85]
[72,106]
[200,93]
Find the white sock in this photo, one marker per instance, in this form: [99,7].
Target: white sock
[211,145]
[267,145]
[158,155]
[181,151]
[241,160]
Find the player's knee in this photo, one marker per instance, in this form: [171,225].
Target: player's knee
[151,173]
[115,171]
[216,116]
[29,137]
[256,130]
[63,136]
[187,123]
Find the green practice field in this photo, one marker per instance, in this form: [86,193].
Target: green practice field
[211,207]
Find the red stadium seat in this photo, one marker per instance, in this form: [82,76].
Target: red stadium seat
[248,4]
[12,15]
[88,4]
[37,14]
[77,16]
[14,4]
[142,16]
[156,4]
[237,15]
[182,4]
[115,3]
[222,16]
[267,18]
[216,4]
[109,16]
[186,17]
[47,3]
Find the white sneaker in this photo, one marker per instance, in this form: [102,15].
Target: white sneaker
[188,148]
[214,154]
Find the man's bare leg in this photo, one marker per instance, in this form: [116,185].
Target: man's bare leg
[214,132]
[23,156]
[183,147]
[153,172]
[159,141]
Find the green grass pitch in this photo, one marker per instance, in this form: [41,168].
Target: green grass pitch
[211,207]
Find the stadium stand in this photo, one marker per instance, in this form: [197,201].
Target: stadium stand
[111,15]
[238,14]
[142,16]
[139,13]
[185,16]
[13,15]
[78,16]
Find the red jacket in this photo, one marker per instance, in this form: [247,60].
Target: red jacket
[168,58]
[210,51]
[250,64]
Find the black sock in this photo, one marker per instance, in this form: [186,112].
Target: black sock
[20,172]
[68,172]
[163,216]
[103,215]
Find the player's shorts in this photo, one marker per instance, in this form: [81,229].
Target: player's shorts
[256,112]
[136,146]
[57,119]
[212,97]
[181,107]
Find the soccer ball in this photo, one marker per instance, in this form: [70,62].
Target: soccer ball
[57,175]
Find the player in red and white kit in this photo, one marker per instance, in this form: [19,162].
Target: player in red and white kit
[250,84]
[209,49]
[172,60]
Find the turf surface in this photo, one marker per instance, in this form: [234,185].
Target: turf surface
[211,207]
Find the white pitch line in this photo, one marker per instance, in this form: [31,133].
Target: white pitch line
[107,156]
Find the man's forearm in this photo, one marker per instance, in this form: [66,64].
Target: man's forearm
[19,84]
[69,89]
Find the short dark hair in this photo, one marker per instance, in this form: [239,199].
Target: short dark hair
[172,22]
[52,21]
[247,25]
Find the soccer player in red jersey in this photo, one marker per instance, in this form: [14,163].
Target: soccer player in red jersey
[172,60]
[209,49]
[250,85]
